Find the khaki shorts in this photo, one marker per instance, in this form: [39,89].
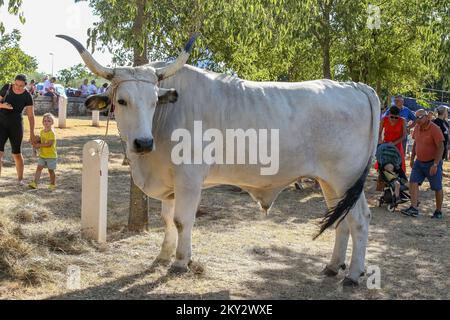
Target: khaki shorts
[49,163]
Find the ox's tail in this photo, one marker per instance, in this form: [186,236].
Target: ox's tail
[347,203]
[340,211]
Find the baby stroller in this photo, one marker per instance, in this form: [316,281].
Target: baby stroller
[391,173]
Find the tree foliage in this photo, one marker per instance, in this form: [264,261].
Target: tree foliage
[74,76]
[13,8]
[288,40]
[12,59]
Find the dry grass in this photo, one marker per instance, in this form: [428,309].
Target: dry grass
[64,241]
[16,257]
[239,253]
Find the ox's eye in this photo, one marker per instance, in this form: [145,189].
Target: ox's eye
[122,102]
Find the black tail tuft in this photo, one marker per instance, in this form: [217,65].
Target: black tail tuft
[339,212]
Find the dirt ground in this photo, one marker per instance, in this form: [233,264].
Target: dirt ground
[245,254]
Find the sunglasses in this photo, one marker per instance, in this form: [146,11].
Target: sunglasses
[394,117]
[420,117]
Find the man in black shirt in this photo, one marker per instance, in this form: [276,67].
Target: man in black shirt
[14,98]
[441,121]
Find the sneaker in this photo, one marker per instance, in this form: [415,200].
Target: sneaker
[21,183]
[437,215]
[411,211]
[52,187]
[32,185]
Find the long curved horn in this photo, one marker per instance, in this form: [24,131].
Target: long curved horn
[90,62]
[172,68]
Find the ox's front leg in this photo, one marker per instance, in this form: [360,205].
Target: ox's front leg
[187,198]
[170,232]
[358,220]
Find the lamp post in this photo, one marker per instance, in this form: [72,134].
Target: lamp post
[51,53]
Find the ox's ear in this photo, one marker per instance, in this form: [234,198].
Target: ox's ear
[167,96]
[97,102]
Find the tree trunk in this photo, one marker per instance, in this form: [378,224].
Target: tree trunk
[138,216]
[326,68]
[139,52]
[326,35]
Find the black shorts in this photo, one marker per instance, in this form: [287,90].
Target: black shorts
[11,129]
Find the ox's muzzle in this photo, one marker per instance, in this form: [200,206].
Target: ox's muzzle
[143,145]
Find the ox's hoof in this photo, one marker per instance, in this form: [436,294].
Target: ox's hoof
[331,273]
[178,270]
[328,272]
[349,283]
[161,262]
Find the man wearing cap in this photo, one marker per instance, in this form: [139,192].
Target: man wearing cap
[405,113]
[428,147]
[14,98]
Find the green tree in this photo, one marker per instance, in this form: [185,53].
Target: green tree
[36,76]
[442,27]
[401,54]
[288,40]
[13,8]
[73,76]
[12,59]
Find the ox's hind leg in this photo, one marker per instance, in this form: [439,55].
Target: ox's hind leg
[187,198]
[170,232]
[358,220]
[342,234]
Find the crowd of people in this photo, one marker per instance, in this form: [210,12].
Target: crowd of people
[424,135]
[48,88]
[87,89]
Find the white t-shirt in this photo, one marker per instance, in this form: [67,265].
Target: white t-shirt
[92,89]
[47,84]
[84,89]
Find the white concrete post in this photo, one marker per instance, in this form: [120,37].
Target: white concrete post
[94,190]
[96,118]
[62,111]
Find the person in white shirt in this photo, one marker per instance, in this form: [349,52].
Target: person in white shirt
[103,88]
[49,87]
[92,89]
[84,88]
[47,84]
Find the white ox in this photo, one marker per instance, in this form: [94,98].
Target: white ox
[327,130]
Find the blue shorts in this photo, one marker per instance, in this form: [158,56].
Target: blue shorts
[49,163]
[421,170]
